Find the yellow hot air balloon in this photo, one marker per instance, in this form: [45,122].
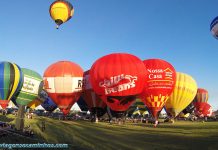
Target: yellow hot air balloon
[61,11]
[183,94]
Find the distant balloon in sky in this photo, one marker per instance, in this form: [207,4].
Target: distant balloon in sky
[11,81]
[214,27]
[63,83]
[118,78]
[183,94]
[160,83]
[61,11]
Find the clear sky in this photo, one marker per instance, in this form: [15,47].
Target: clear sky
[177,31]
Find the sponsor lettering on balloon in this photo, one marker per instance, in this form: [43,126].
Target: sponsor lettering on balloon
[118,83]
[160,78]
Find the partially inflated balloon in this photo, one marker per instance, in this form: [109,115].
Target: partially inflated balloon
[32,86]
[183,94]
[201,98]
[63,83]
[137,105]
[118,78]
[49,105]
[36,102]
[214,27]
[11,80]
[160,83]
[94,102]
[61,11]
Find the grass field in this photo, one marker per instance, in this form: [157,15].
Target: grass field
[84,135]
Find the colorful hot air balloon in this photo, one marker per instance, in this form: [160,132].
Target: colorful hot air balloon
[95,104]
[214,27]
[11,80]
[118,78]
[200,99]
[63,83]
[137,105]
[183,94]
[61,11]
[160,84]
[32,86]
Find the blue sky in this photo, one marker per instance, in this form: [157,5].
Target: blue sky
[177,31]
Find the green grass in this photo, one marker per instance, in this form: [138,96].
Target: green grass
[86,135]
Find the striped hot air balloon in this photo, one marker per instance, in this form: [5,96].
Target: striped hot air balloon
[11,80]
[201,99]
[183,94]
[61,11]
[160,84]
[63,83]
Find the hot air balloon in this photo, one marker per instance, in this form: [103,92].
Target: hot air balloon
[32,86]
[61,11]
[137,105]
[11,80]
[35,103]
[118,78]
[49,105]
[96,106]
[200,99]
[63,83]
[214,27]
[207,110]
[160,84]
[183,94]
[82,104]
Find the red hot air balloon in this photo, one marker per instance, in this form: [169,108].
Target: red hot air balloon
[118,78]
[200,99]
[95,104]
[63,83]
[160,83]
[204,111]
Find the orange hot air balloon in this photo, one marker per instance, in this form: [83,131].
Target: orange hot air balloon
[160,83]
[95,104]
[63,83]
[118,78]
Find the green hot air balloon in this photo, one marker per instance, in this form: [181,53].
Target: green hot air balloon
[11,80]
[32,86]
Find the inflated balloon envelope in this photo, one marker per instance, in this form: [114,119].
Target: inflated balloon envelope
[118,78]
[61,11]
[63,83]
[11,81]
[159,85]
[93,101]
[183,94]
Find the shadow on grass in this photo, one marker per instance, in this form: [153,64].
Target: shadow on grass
[84,135]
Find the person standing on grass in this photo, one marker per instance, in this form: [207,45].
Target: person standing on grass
[43,125]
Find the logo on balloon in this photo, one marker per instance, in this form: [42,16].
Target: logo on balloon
[158,73]
[118,83]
